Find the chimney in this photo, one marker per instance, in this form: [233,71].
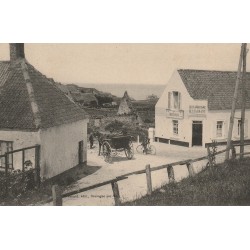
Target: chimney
[16,51]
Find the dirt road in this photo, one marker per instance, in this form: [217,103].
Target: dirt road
[134,186]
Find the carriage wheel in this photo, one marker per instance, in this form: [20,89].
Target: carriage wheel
[106,151]
[129,152]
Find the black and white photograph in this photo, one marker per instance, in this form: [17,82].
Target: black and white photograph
[124,124]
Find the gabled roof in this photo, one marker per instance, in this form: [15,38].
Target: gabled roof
[29,100]
[126,106]
[215,86]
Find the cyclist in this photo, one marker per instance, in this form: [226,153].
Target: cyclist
[145,143]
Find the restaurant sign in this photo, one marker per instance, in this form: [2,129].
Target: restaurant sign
[178,114]
[197,110]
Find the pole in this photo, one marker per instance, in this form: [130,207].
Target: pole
[243,104]
[230,131]
[149,180]
[116,193]
[57,195]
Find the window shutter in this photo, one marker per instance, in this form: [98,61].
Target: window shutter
[169,100]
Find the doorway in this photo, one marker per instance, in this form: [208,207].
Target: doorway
[197,129]
[80,152]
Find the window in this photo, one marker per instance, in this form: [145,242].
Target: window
[174,100]
[6,146]
[219,129]
[175,127]
[238,127]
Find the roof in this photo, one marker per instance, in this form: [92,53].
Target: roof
[84,97]
[126,106]
[29,100]
[215,86]
[4,72]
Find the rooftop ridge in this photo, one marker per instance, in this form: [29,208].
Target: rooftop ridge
[207,70]
[34,106]
[54,85]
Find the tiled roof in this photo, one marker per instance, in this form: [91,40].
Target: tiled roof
[4,72]
[29,100]
[215,86]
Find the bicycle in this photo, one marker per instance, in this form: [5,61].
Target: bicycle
[150,149]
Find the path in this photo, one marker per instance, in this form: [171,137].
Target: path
[134,186]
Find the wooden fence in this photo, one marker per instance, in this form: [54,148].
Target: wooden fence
[7,178]
[57,195]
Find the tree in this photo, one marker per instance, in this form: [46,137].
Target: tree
[152,97]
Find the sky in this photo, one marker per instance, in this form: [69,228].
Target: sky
[125,63]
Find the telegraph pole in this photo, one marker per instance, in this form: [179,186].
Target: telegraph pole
[230,131]
[243,104]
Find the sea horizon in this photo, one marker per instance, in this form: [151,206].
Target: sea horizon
[136,91]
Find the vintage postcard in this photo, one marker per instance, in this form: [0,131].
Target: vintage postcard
[124,124]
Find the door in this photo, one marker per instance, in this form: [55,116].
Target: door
[197,133]
[80,152]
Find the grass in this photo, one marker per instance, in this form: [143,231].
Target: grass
[224,185]
[66,180]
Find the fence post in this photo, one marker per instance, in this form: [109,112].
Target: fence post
[170,171]
[6,173]
[23,160]
[190,168]
[37,166]
[116,193]
[57,196]
[209,157]
[149,180]
[233,152]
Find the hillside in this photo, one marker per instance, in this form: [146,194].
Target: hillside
[89,97]
[223,186]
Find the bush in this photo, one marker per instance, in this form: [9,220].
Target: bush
[114,126]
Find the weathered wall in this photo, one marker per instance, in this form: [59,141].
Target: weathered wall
[20,140]
[59,147]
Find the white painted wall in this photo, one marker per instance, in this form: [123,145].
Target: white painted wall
[20,140]
[59,147]
[214,116]
[164,126]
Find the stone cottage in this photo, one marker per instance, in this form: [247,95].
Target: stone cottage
[34,110]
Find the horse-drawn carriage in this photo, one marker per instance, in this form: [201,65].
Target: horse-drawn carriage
[114,144]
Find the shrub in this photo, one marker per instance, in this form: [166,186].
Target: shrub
[114,125]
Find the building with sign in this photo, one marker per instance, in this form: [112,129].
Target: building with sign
[195,108]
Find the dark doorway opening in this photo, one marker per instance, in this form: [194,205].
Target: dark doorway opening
[80,152]
[197,133]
